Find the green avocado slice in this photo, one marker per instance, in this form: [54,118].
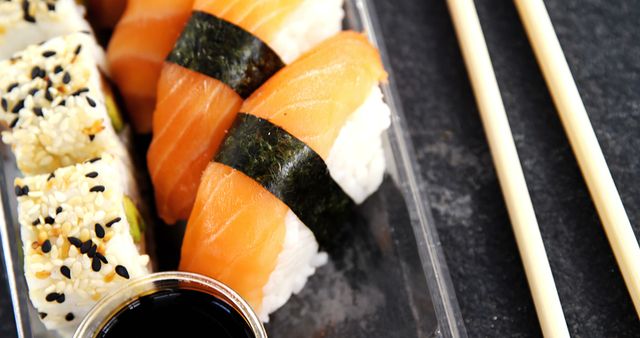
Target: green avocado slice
[113,112]
[137,225]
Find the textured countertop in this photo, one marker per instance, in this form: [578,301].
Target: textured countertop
[601,42]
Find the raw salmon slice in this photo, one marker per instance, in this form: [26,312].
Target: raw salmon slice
[235,232]
[105,13]
[193,113]
[314,96]
[141,41]
[262,18]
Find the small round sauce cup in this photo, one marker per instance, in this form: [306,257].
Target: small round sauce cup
[175,304]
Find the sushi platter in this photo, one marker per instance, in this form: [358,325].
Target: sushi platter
[245,160]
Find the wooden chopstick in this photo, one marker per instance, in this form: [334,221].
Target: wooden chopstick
[508,168]
[583,141]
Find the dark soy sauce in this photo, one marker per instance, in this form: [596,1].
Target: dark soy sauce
[177,313]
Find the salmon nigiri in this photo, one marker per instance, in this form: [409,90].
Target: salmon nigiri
[265,247]
[141,41]
[198,96]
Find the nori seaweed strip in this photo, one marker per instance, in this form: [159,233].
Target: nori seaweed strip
[222,50]
[290,170]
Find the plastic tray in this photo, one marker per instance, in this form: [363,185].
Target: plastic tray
[387,277]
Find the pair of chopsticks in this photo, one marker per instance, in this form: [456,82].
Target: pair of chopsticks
[505,157]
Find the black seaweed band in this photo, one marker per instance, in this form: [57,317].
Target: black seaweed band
[224,51]
[289,169]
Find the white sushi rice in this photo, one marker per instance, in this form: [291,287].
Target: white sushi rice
[61,207]
[40,20]
[51,124]
[356,162]
[297,261]
[312,22]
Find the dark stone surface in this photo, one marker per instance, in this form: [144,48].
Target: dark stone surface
[600,39]
[601,43]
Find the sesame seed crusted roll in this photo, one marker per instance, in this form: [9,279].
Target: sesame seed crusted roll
[54,105]
[77,240]
[25,22]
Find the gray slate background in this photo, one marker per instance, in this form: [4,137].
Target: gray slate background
[601,41]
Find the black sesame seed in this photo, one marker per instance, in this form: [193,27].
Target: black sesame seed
[95,159]
[25,11]
[48,53]
[61,298]
[46,246]
[18,106]
[49,220]
[78,49]
[86,32]
[42,315]
[12,87]
[57,69]
[51,6]
[21,191]
[92,174]
[91,102]
[58,210]
[47,95]
[102,258]
[122,271]
[112,222]
[92,137]
[86,246]
[80,91]
[5,104]
[52,296]
[62,103]
[49,83]
[36,222]
[33,91]
[35,72]
[42,74]
[66,78]
[38,111]
[92,251]
[14,122]
[99,231]
[96,264]
[97,188]
[51,176]
[75,241]
[65,271]
[69,317]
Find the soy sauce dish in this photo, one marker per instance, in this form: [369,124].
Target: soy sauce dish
[172,304]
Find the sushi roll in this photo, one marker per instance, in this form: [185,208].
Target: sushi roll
[56,106]
[225,52]
[79,239]
[305,147]
[26,22]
